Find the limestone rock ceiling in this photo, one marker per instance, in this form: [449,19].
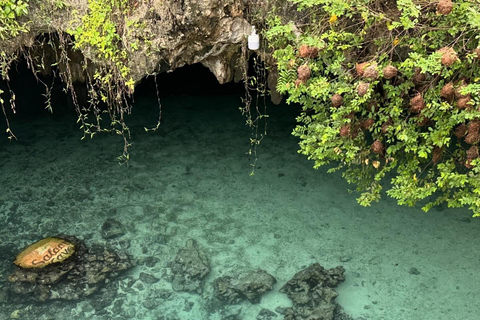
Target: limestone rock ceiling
[194,31]
[171,34]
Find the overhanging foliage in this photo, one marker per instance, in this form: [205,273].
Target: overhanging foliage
[387,87]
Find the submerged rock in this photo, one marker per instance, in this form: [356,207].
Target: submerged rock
[112,228]
[266,314]
[312,293]
[247,285]
[190,268]
[72,279]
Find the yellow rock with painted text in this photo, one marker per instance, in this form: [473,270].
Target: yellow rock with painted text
[45,252]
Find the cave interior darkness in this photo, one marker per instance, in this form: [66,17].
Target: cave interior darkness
[183,84]
[195,80]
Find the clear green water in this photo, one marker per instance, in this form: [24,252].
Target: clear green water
[191,180]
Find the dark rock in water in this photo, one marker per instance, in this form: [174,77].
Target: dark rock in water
[150,261]
[147,278]
[341,315]
[266,314]
[78,277]
[311,291]
[249,285]
[112,228]
[190,268]
[414,271]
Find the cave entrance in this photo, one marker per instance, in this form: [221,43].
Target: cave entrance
[33,92]
[189,96]
[188,80]
[30,94]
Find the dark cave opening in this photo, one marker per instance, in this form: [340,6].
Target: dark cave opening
[188,80]
[30,98]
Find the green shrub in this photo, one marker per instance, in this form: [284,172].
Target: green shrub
[10,11]
[387,87]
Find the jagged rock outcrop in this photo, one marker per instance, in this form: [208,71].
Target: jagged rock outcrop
[166,35]
[192,31]
[172,33]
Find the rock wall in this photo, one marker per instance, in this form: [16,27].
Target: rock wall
[172,33]
[209,32]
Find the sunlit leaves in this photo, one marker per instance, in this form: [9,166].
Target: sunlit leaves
[10,12]
[426,159]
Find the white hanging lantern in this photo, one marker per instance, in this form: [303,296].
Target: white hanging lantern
[253,40]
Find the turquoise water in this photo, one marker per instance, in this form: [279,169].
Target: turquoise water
[191,180]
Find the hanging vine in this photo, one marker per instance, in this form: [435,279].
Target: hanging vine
[11,13]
